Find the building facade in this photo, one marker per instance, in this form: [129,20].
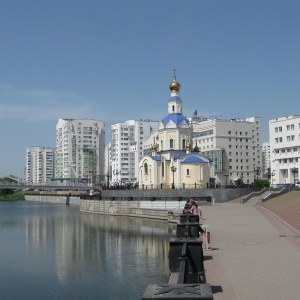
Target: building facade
[80,150]
[126,149]
[233,145]
[40,165]
[284,134]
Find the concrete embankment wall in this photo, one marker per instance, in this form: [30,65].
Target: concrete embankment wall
[54,199]
[220,195]
[142,209]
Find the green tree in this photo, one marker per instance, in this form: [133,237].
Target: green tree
[259,184]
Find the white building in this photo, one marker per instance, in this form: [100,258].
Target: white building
[80,146]
[40,165]
[284,134]
[127,148]
[233,145]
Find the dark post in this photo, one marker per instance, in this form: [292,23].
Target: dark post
[107,180]
[257,172]
[294,171]
[173,169]
[226,177]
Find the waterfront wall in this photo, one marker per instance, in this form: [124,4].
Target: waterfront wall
[220,195]
[144,209]
[54,199]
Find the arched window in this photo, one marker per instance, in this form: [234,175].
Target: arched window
[188,173]
[183,143]
[173,108]
[171,143]
[145,168]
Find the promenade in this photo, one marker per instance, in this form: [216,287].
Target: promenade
[255,254]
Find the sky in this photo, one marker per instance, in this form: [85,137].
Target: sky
[113,61]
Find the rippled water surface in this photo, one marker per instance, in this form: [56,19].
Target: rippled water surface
[50,251]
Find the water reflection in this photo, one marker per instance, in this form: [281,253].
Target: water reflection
[59,252]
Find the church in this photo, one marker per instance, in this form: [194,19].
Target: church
[169,160]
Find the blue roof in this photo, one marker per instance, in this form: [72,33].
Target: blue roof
[195,159]
[157,157]
[174,98]
[176,118]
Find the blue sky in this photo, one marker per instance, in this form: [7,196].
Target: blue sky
[113,61]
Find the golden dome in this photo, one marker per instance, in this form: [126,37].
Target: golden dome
[154,147]
[174,85]
[188,146]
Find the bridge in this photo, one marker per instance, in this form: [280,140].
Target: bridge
[22,186]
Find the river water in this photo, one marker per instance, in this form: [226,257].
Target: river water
[52,251]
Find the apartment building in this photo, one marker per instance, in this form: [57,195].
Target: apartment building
[126,149]
[233,145]
[284,134]
[80,147]
[40,165]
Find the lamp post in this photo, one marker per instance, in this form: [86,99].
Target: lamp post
[272,175]
[257,172]
[107,183]
[173,169]
[226,177]
[294,171]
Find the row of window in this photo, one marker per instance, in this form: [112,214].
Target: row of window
[289,127]
[289,138]
[288,160]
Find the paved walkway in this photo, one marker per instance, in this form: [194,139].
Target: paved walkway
[255,255]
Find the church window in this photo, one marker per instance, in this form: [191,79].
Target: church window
[171,143]
[145,168]
[188,172]
[183,144]
[173,108]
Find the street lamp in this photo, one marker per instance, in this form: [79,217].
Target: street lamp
[294,171]
[226,177]
[107,178]
[257,172]
[173,169]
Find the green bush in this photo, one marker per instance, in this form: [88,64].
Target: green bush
[259,184]
[12,196]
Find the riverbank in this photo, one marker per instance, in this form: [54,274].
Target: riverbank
[15,196]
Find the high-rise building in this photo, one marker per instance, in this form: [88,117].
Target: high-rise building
[233,145]
[127,148]
[40,165]
[284,134]
[80,146]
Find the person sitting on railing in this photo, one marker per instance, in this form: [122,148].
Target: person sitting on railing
[193,207]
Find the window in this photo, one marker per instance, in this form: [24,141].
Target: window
[183,143]
[171,143]
[145,168]
[188,172]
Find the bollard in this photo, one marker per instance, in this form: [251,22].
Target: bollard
[206,235]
